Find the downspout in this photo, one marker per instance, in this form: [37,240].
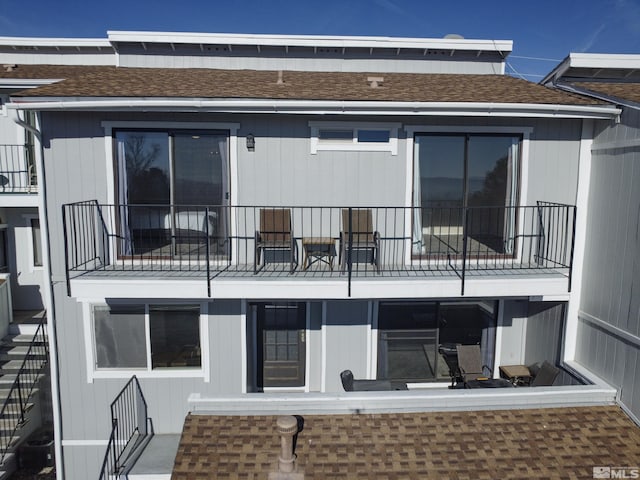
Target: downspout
[48,290]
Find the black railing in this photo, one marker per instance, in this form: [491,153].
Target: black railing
[344,242]
[16,404]
[17,169]
[130,428]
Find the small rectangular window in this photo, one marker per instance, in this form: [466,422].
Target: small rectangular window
[36,241]
[349,136]
[373,136]
[336,135]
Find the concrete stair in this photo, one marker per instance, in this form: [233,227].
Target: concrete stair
[13,350]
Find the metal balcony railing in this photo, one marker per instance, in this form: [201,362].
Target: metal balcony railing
[130,429]
[338,242]
[17,169]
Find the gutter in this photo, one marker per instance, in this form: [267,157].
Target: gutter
[322,107]
[48,296]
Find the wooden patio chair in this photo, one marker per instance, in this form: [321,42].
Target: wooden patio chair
[470,363]
[363,238]
[275,236]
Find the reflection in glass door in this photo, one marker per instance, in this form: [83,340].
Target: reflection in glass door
[460,175]
[173,188]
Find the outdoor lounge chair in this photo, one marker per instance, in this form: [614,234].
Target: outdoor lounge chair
[359,238]
[449,353]
[351,385]
[470,363]
[275,238]
[546,375]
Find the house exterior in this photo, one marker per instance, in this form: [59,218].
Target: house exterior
[238,219]
[606,321]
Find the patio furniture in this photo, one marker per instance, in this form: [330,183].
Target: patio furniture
[318,249]
[275,239]
[488,383]
[449,353]
[470,363]
[516,374]
[546,375]
[360,238]
[351,385]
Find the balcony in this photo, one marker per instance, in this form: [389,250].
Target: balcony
[17,169]
[339,244]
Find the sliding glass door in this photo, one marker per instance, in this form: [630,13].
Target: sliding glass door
[172,189]
[463,175]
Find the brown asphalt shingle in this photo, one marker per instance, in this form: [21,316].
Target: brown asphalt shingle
[623,91]
[562,443]
[213,83]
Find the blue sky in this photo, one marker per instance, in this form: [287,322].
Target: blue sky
[543,31]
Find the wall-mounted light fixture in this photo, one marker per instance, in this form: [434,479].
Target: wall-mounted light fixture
[251,142]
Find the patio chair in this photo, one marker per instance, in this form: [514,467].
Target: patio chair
[363,238]
[546,375]
[449,353]
[470,363]
[351,385]
[275,238]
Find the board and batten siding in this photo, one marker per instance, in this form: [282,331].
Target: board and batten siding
[280,61]
[608,340]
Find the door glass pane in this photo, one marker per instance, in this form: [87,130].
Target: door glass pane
[175,336]
[200,180]
[36,242]
[281,330]
[198,170]
[407,342]
[488,190]
[119,337]
[439,191]
[144,191]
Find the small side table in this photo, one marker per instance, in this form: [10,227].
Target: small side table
[516,374]
[318,249]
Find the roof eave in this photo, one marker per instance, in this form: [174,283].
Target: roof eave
[321,107]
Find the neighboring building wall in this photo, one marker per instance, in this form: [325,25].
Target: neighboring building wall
[608,341]
[27,279]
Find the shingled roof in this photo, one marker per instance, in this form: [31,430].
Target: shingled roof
[619,90]
[560,443]
[112,82]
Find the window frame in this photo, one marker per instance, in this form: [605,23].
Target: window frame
[94,372]
[33,267]
[354,145]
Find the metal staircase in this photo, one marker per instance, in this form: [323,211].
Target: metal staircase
[24,356]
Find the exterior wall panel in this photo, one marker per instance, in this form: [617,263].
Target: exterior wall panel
[609,326]
[346,341]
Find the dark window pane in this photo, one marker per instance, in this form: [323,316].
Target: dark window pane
[373,136]
[36,241]
[336,135]
[120,338]
[175,336]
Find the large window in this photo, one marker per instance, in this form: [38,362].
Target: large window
[172,189]
[465,181]
[415,339]
[147,337]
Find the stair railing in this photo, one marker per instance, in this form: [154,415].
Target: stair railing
[12,414]
[129,429]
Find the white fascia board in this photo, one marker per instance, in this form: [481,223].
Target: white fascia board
[593,60]
[311,41]
[54,42]
[27,82]
[604,60]
[321,107]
